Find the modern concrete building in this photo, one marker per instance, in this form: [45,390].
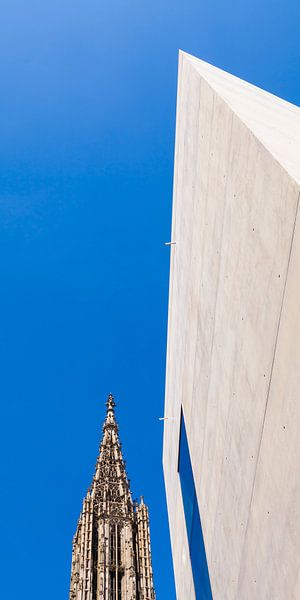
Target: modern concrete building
[111,557]
[231,435]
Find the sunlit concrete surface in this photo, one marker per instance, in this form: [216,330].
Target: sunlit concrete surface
[233,359]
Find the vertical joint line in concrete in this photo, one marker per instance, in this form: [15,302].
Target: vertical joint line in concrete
[272,367]
[279,319]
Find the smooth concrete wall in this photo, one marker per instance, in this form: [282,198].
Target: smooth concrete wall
[233,359]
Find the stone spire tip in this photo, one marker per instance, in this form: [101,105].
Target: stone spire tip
[110,403]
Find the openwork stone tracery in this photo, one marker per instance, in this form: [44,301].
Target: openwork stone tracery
[111,557]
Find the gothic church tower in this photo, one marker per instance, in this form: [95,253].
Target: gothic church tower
[111,557]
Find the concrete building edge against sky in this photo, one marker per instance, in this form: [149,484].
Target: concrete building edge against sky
[233,351]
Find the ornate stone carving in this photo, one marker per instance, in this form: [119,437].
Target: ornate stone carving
[111,557]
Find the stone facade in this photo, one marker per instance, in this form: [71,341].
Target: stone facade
[111,557]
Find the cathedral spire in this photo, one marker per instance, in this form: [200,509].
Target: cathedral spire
[110,486]
[110,403]
[111,557]
[110,412]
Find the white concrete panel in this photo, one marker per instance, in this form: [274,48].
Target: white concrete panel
[275,122]
[273,565]
[234,215]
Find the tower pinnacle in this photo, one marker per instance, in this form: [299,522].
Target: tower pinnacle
[110,412]
[111,557]
[110,403]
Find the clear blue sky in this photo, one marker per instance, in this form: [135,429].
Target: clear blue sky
[87,114]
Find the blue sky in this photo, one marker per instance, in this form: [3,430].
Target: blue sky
[87,121]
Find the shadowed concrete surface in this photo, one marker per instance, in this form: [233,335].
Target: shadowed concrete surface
[233,360]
